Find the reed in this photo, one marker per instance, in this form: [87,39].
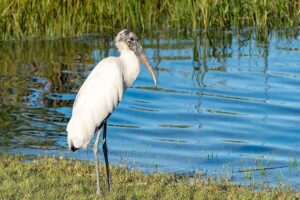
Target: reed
[36,18]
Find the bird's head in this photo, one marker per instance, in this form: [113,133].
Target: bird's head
[128,41]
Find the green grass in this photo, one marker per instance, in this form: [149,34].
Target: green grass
[35,18]
[50,178]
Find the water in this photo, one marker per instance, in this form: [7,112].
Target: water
[225,103]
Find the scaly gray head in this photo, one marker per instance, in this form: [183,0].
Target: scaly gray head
[128,41]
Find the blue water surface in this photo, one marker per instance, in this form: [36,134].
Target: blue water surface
[226,103]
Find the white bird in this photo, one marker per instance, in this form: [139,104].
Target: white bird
[100,94]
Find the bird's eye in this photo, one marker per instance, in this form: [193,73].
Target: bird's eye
[131,40]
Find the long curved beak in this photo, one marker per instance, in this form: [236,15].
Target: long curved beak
[142,56]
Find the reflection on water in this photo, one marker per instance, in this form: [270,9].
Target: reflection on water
[224,100]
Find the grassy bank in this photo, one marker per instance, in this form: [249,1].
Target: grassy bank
[31,18]
[49,178]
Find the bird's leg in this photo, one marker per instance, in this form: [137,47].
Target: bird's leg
[104,146]
[96,160]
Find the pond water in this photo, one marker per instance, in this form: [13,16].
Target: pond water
[226,103]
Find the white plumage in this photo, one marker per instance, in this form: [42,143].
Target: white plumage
[99,96]
[101,92]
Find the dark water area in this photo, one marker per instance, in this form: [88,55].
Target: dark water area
[226,104]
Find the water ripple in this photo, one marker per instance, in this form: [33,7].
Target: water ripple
[224,102]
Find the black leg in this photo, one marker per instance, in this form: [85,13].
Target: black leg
[104,146]
[96,161]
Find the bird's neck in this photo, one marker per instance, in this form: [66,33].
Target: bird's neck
[131,67]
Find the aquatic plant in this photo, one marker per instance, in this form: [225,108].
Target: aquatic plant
[35,18]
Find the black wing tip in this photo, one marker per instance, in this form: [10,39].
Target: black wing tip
[74,148]
[71,146]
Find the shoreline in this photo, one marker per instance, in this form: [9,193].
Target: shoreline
[51,178]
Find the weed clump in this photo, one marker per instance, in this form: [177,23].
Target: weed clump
[28,18]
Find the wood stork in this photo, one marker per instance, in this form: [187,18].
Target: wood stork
[100,94]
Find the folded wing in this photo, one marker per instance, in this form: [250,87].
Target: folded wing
[95,101]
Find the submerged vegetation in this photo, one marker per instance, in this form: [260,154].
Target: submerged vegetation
[35,18]
[50,178]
